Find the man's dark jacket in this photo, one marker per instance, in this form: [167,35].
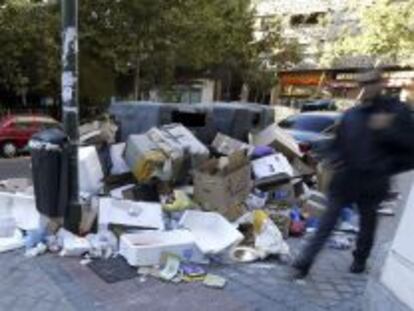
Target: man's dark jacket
[366,157]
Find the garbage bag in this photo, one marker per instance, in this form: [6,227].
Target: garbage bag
[268,238]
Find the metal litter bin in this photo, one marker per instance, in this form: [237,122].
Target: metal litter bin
[49,151]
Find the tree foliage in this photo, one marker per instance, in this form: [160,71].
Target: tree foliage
[151,42]
[28,48]
[385,32]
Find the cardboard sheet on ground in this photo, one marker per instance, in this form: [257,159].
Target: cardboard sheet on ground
[146,248]
[212,232]
[12,243]
[131,214]
[22,207]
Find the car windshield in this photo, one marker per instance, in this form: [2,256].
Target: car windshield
[316,124]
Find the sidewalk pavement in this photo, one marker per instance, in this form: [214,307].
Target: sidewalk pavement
[54,283]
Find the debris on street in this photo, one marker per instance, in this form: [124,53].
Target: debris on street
[165,203]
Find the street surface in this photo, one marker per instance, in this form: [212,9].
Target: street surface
[15,168]
[53,283]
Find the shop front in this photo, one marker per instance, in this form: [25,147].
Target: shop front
[297,86]
[345,85]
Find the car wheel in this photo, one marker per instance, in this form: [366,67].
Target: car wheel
[9,150]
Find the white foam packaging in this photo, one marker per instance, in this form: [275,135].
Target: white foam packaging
[90,170]
[147,248]
[146,215]
[212,232]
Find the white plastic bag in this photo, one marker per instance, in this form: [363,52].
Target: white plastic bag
[72,245]
[103,245]
[270,240]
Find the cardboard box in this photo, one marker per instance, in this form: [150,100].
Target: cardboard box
[302,168]
[147,248]
[283,194]
[273,165]
[196,151]
[315,205]
[276,137]
[167,153]
[324,177]
[224,183]
[147,160]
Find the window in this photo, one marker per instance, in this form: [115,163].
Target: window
[190,119]
[301,20]
[22,124]
[48,125]
[297,20]
[315,124]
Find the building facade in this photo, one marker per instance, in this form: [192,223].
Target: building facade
[313,24]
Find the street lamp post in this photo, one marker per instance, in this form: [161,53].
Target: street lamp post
[70,107]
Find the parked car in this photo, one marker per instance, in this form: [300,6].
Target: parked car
[319,105]
[311,128]
[16,131]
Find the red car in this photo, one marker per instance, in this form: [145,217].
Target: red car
[16,131]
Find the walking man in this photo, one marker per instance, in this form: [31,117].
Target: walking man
[374,141]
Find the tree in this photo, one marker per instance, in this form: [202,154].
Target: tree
[385,32]
[28,50]
[151,43]
[155,40]
[270,53]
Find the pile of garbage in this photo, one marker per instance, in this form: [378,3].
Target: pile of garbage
[170,205]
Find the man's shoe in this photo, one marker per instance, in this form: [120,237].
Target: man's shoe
[299,272]
[357,267]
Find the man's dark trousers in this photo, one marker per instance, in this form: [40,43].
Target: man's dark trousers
[368,223]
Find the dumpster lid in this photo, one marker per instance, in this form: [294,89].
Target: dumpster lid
[53,136]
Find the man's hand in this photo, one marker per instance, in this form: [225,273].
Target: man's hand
[381,121]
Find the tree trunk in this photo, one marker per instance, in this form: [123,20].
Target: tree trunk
[24,98]
[256,96]
[228,88]
[244,94]
[137,85]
